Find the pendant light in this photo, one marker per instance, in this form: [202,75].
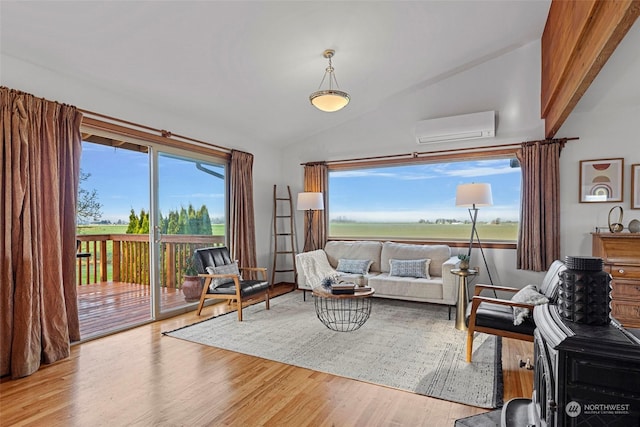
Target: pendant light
[329,100]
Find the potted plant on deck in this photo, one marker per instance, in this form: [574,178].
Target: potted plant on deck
[191,283]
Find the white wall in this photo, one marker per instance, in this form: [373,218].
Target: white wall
[509,84]
[607,121]
[20,75]
[604,134]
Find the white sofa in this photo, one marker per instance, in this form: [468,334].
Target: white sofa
[440,288]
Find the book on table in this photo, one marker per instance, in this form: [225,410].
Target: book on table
[343,288]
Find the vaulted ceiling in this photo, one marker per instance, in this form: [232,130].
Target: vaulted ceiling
[249,67]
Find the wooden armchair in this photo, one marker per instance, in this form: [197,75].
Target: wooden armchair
[232,287]
[495,316]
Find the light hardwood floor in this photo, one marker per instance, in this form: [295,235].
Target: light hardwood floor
[140,377]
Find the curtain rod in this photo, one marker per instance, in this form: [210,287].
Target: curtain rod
[417,154]
[162,132]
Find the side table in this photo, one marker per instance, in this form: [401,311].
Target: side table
[343,313]
[463,298]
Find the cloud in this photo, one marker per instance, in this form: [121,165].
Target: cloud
[471,169]
[482,171]
[505,212]
[362,174]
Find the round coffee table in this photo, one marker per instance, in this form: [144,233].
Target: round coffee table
[345,312]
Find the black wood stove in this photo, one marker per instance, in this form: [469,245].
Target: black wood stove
[585,375]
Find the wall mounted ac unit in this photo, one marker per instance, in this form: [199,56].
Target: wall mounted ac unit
[457,128]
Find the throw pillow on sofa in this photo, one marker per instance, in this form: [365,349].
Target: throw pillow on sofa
[410,268]
[354,266]
[223,269]
[528,295]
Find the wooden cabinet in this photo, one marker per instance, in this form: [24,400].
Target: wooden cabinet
[621,255]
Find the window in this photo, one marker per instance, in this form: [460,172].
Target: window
[417,201]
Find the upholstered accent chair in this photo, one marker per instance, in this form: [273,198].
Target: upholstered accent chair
[222,279]
[495,316]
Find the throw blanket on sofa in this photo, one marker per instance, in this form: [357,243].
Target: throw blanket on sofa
[316,267]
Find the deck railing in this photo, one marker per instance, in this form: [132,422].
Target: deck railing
[125,257]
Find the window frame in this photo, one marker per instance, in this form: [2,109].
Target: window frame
[487,153]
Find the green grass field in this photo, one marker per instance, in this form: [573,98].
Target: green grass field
[487,232]
[217,229]
[83,230]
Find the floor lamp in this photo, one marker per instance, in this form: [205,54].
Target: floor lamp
[473,196]
[310,202]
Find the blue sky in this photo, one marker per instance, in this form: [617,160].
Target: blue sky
[121,178]
[427,191]
[399,194]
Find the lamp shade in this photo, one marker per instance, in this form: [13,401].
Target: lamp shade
[476,195]
[329,100]
[310,201]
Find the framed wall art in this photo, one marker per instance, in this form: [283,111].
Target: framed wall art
[601,180]
[635,186]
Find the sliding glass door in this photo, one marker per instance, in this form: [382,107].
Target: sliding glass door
[113,266]
[190,213]
[143,209]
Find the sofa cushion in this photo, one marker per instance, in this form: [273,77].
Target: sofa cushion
[409,268]
[438,254]
[407,287]
[358,279]
[354,250]
[355,266]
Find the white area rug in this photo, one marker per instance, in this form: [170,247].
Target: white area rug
[405,345]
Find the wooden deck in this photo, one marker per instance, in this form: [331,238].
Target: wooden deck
[107,306]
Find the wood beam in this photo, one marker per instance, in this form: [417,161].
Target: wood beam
[578,39]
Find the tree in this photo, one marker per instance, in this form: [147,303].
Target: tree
[133,223]
[88,208]
[143,225]
[188,221]
[183,222]
[205,227]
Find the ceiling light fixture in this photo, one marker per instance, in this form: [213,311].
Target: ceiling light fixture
[329,100]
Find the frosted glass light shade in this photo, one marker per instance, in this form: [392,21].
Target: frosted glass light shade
[477,195]
[310,201]
[329,100]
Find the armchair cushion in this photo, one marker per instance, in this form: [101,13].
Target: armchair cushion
[247,288]
[528,295]
[497,316]
[223,269]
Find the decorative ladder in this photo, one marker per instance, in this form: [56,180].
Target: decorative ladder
[283,236]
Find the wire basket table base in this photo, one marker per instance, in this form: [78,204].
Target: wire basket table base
[344,314]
